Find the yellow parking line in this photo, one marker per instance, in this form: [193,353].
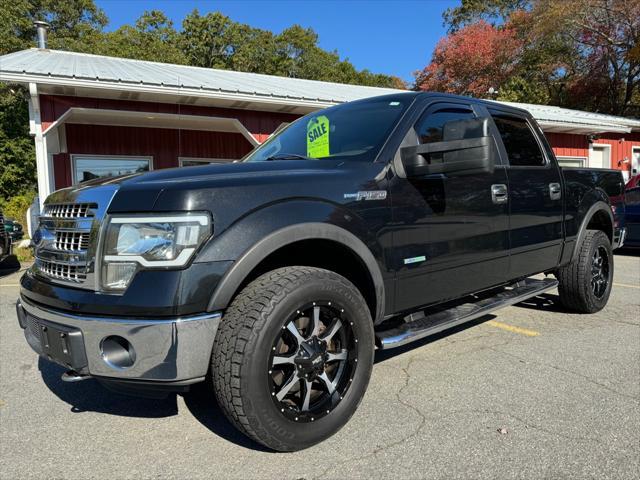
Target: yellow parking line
[626,285]
[512,329]
[10,285]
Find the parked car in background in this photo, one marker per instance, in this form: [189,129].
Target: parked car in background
[5,240]
[632,212]
[13,229]
[633,182]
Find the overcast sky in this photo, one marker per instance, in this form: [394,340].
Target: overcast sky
[393,37]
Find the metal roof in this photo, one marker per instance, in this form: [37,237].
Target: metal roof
[553,118]
[71,73]
[47,66]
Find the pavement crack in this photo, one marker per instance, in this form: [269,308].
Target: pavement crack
[416,431]
[564,370]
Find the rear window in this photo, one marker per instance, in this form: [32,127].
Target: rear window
[519,141]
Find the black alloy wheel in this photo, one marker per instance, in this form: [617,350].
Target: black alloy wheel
[293,356]
[313,361]
[600,272]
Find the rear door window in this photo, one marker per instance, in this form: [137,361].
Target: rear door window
[519,140]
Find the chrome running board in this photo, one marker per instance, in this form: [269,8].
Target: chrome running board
[430,323]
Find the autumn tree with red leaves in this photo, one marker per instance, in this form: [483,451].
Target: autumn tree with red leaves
[581,54]
[472,60]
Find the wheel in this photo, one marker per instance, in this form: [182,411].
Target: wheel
[293,356]
[585,283]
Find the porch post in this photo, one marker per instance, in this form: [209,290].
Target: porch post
[43,163]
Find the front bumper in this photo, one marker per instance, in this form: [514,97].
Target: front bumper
[168,350]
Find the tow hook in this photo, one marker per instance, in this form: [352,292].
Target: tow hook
[72,376]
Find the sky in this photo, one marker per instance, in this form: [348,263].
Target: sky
[384,36]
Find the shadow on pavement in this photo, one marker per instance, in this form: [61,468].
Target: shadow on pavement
[90,396]
[383,355]
[201,402]
[9,265]
[548,302]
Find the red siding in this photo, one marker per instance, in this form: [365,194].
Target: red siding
[164,145]
[260,124]
[62,170]
[569,145]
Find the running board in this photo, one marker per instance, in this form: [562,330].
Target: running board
[438,321]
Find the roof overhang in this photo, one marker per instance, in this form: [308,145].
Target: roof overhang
[127,118]
[579,128]
[122,90]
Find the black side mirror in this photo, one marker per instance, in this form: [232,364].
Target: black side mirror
[466,149]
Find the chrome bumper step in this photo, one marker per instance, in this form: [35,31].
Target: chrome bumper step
[432,322]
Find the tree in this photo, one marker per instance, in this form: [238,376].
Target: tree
[604,73]
[491,11]
[152,38]
[472,60]
[17,152]
[74,24]
[582,54]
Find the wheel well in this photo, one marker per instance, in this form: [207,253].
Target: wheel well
[601,221]
[325,254]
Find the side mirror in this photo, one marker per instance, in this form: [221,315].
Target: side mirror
[466,149]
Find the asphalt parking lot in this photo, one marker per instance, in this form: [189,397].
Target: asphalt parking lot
[531,392]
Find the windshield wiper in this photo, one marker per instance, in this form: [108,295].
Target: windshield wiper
[288,156]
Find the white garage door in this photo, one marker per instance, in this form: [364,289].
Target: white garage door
[599,157]
[635,162]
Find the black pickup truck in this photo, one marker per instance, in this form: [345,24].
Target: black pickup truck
[366,225]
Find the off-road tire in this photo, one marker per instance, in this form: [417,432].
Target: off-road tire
[574,279]
[241,352]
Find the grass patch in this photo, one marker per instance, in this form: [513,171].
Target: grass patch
[23,254]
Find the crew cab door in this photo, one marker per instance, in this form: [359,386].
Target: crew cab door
[450,233]
[535,195]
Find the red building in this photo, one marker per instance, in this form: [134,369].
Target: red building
[93,115]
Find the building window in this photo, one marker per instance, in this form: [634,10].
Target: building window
[572,161]
[192,161]
[88,167]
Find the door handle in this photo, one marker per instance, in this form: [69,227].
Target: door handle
[555,192]
[499,193]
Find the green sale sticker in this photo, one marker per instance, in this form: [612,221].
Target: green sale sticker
[318,137]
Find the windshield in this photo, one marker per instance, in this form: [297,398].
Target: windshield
[352,131]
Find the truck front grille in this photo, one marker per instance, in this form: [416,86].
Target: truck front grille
[62,271]
[69,210]
[72,241]
[66,240]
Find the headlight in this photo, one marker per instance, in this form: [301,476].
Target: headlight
[132,243]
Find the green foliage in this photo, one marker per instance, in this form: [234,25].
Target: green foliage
[74,24]
[471,11]
[152,38]
[214,40]
[17,152]
[16,207]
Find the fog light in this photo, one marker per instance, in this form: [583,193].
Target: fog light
[116,276]
[117,352]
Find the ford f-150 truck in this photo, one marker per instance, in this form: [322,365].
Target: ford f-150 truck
[366,225]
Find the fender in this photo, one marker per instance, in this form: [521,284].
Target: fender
[283,235]
[595,208]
